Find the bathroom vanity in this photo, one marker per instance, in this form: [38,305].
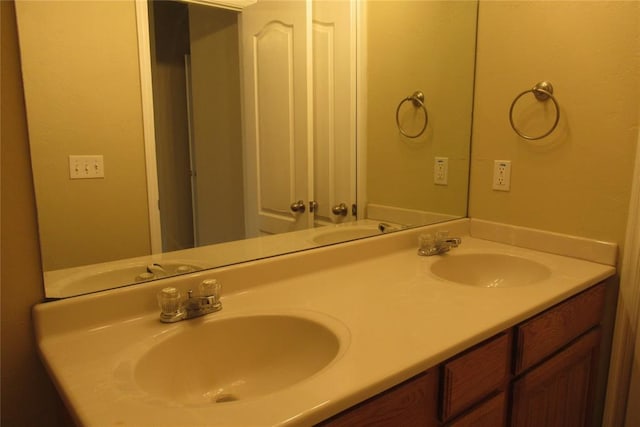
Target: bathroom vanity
[498,331]
[541,372]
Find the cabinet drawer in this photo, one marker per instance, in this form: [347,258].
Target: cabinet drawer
[491,413]
[548,332]
[410,404]
[469,378]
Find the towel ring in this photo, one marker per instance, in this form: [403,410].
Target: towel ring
[542,91]
[418,101]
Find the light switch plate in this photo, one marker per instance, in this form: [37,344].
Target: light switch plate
[86,167]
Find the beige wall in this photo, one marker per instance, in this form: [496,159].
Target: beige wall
[83,97]
[427,46]
[578,180]
[28,397]
[217,129]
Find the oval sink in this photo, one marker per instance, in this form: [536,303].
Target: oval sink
[235,359]
[489,270]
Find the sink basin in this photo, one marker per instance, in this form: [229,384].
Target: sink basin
[489,270]
[235,359]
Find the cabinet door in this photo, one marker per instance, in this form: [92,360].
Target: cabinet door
[410,404]
[558,393]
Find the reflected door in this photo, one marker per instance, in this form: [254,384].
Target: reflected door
[277,120]
[334,135]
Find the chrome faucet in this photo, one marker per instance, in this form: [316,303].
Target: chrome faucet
[440,244]
[175,308]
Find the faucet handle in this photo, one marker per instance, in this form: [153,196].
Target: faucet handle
[210,288]
[442,235]
[169,300]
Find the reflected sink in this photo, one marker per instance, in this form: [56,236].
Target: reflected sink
[489,270]
[235,359]
[97,278]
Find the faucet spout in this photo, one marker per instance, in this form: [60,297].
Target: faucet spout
[441,244]
[174,308]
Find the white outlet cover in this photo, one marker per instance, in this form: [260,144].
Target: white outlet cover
[502,175]
[441,171]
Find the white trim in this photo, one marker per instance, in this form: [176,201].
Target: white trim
[361,109]
[627,315]
[235,5]
[546,241]
[146,94]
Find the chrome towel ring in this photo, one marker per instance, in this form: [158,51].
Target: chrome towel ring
[542,91]
[418,101]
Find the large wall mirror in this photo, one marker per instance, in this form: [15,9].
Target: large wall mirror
[171,136]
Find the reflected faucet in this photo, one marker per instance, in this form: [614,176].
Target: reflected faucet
[441,244]
[383,227]
[174,308]
[157,270]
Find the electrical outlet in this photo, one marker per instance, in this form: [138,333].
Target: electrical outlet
[502,175]
[86,167]
[441,171]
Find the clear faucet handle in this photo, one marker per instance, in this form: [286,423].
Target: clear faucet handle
[425,241]
[169,300]
[210,288]
[441,235]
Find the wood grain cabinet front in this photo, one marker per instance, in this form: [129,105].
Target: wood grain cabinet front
[490,413]
[546,333]
[549,382]
[558,392]
[472,376]
[410,404]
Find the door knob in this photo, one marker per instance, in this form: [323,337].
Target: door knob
[298,207]
[340,209]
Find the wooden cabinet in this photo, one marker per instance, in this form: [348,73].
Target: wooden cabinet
[561,347]
[547,332]
[558,393]
[410,404]
[549,382]
[472,376]
[490,413]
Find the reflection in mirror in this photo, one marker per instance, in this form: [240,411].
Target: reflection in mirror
[225,136]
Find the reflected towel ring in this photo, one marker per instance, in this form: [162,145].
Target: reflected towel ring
[418,101]
[542,91]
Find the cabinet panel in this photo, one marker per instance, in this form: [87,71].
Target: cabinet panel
[491,413]
[475,374]
[549,331]
[558,392]
[410,404]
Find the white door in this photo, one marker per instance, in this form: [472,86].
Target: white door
[334,83]
[276,57]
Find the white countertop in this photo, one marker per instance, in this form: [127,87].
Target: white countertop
[398,320]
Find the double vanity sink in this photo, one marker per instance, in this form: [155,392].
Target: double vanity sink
[301,337]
